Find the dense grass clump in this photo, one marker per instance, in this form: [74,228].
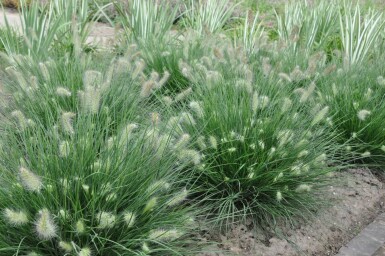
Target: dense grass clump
[357,104]
[263,153]
[84,174]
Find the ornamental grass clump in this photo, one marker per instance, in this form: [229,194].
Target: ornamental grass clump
[86,169]
[262,153]
[357,108]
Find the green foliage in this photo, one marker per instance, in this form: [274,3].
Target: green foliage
[263,153]
[146,20]
[208,16]
[357,103]
[305,26]
[83,170]
[359,33]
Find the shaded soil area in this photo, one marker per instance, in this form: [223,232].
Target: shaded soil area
[356,201]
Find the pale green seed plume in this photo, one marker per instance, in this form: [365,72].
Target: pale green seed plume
[190,156]
[64,149]
[30,181]
[197,109]
[106,220]
[182,142]
[66,247]
[178,198]
[363,114]
[183,95]
[66,122]
[129,218]
[147,87]
[320,116]
[15,218]
[150,204]
[45,226]
[213,142]
[63,92]
[303,188]
[21,120]
[279,196]
[164,235]
[44,71]
[85,251]
[92,79]
[80,227]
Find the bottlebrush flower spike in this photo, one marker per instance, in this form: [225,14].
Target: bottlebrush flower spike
[85,252]
[182,95]
[21,120]
[106,220]
[15,218]
[363,114]
[92,78]
[129,218]
[164,235]
[178,198]
[66,121]
[30,181]
[67,247]
[63,92]
[45,226]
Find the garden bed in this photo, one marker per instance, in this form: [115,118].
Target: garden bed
[166,138]
[356,199]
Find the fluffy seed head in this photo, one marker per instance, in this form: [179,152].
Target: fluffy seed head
[287,103]
[182,142]
[44,71]
[106,220]
[66,121]
[163,80]
[182,95]
[201,143]
[164,235]
[80,227]
[363,114]
[85,251]
[30,181]
[21,120]
[92,78]
[147,88]
[15,218]
[213,142]
[187,118]
[190,156]
[303,188]
[303,153]
[197,109]
[381,81]
[320,116]
[45,226]
[63,92]
[64,149]
[383,148]
[150,204]
[308,92]
[129,218]
[366,154]
[178,198]
[90,99]
[67,247]
[285,77]
[255,102]
[279,196]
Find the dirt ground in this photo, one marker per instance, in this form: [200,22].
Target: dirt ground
[356,201]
